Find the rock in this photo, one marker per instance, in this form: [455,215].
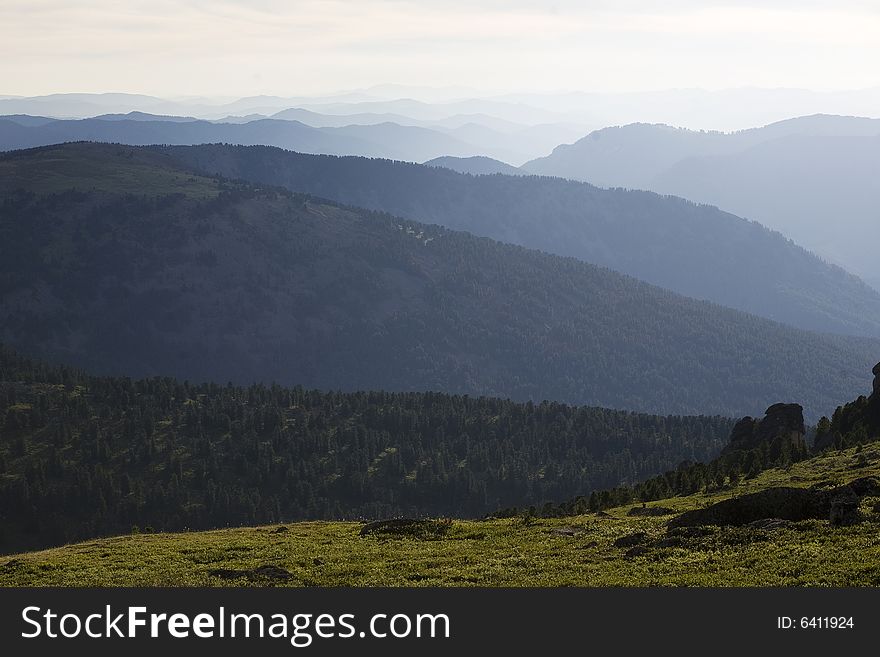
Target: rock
[567,531]
[876,373]
[783,503]
[781,421]
[281,530]
[769,523]
[865,486]
[602,514]
[650,511]
[272,572]
[630,540]
[845,508]
[261,572]
[637,551]
[696,531]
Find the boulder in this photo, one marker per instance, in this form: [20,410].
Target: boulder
[865,487]
[630,540]
[845,509]
[637,551]
[783,503]
[840,505]
[781,420]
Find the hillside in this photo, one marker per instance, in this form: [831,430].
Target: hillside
[84,456]
[477,166]
[809,522]
[697,251]
[265,285]
[610,549]
[812,178]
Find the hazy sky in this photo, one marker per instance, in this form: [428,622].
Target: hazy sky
[293,47]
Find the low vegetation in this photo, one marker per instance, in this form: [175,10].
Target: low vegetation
[612,548]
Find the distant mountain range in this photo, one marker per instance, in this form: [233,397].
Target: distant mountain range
[694,250]
[388,140]
[730,109]
[127,261]
[813,178]
[386,135]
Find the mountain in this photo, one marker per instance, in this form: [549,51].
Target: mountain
[388,140]
[811,178]
[26,119]
[821,191]
[173,455]
[124,261]
[695,250]
[474,165]
[144,116]
[634,155]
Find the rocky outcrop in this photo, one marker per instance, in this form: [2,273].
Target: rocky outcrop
[876,373]
[783,503]
[743,434]
[840,505]
[781,422]
[845,509]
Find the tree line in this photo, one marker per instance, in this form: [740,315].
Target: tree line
[85,456]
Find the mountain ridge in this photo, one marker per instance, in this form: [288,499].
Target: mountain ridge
[694,250]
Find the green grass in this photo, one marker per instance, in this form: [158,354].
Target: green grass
[100,167]
[576,551]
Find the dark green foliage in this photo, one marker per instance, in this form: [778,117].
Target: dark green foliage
[425,529]
[262,285]
[695,250]
[856,423]
[84,456]
[688,478]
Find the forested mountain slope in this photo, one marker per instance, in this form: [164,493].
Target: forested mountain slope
[223,281]
[695,250]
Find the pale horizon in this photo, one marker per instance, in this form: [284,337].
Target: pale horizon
[233,48]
